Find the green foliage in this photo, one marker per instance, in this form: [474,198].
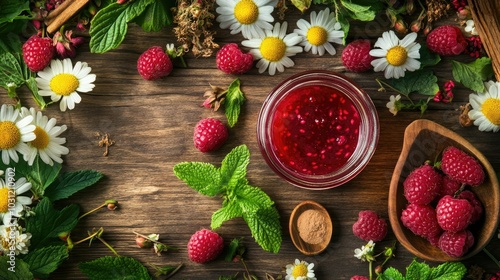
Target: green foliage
[14,270]
[115,268]
[421,271]
[14,15]
[46,260]
[69,183]
[428,58]
[233,102]
[421,81]
[240,199]
[40,175]
[472,75]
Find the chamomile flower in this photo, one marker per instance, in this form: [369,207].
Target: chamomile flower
[12,191]
[394,105]
[486,107]
[318,34]
[470,27]
[366,251]
[300,270]
[396,56]
[274,48]
[20,243]
[61,81]
[14,132]
[250,17]
[47,143]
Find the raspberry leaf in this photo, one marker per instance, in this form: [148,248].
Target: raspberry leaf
[428,58]
[234,166]
[115,268]
[14,270]
[156,16]
[46,260]
[68,183]
[234,100]
[472,75]
[422,81]
[265,227]
[203,177]
[13,16]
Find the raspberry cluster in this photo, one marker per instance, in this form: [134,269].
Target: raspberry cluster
[440,208]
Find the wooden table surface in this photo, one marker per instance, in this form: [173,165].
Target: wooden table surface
[152,124]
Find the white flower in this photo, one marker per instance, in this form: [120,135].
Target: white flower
[9,191]
[61,81]
[317,34]
[393,104]
[14,132]
[365,252]
[486,107]
[396,56]
[274,48]
[47,144]
[470,27]
[250,17]
[300,270]
[20,243]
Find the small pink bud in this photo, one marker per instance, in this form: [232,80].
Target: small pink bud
[63,236]
[121,1]
[143,242]
[400,26]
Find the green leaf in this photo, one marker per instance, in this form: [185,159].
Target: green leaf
[156,15]
[418,271]
[472,75]
[359,11]
[302,5]
[229,210]
[421,81]
[391,274]
[40,174]
[250,199]
[33,86]
[448,271]
[234,165]
[47,223]
[115,268]
[69,183]
[343,19]
[46,260]
[14,15]
[234,100]
[10,43]
[428,58]
[266,228]
[14,270]
[10,70]
[203,177]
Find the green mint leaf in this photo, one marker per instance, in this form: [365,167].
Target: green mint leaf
[360,11]
[69,183]
[421,81]
[10,70]
[115,268]
[234,100]
[391,274]
[448,271]
[40,174]
[418,271]
[472,75]
[46,260]
[156,15]
[234,165]
[229,210]
[47,223]
[250,199]
[428,58]
[302,5]
[266,228]
[14,270]
[10,43]
[203,177]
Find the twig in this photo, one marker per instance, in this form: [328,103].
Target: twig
[63,13]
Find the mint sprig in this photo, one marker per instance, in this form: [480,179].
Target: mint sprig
[240,200]
[422,271]
[233,102]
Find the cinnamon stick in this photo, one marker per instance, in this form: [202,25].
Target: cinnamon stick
[486,16]
[63,13]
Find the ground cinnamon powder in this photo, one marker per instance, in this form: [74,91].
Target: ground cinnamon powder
[311,225]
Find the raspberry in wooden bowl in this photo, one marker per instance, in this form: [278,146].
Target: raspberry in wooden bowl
[317,129]
[463,215]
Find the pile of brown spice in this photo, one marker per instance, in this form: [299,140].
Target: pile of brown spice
[311,225]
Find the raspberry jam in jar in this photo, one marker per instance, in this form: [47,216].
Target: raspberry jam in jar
[317,129]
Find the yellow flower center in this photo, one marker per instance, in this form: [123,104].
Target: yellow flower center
[273,49]
[42,139]
[397,56]
[491,110]
[246,12]
[64,84]
[9,135]
[4,199]
[317,35]
[299,270]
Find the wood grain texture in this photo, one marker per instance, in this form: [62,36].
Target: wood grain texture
[152,124]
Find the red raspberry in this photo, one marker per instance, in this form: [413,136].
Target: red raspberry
[369,226]
[421,220]
[204,245]
[446,40]
[456,244]
[449,186]
[359,277]
[434,240]
[462,167]
[422,185]
[154,63]
[231,60]
[209,134]
[38,52]
[476,204]
[453,214]
[356,56]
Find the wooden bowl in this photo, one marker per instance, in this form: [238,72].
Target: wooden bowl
[425,140]
[327,227]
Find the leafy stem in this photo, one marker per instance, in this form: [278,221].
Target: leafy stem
[91,236]
[382,88]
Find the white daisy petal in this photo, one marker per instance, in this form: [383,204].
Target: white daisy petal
[484,111]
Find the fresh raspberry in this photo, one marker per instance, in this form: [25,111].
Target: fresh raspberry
[204,245]
[359,277]
[154,63]
[209,134]
[476,204]
[421,220]
[461,167]
[446,40]
[38,52]
[369,226]
[356,56]
[231,60]
[453,214]
[456,244]
[434,240]
[449,186]
[422,185]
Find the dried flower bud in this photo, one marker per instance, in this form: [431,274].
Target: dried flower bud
[143,242]
[401,27]
[427,29]
[379,269]
[416,25]
[463,14]
[410,6]
[391,14]
[121,1]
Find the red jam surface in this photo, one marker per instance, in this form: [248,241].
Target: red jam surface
[315,130]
